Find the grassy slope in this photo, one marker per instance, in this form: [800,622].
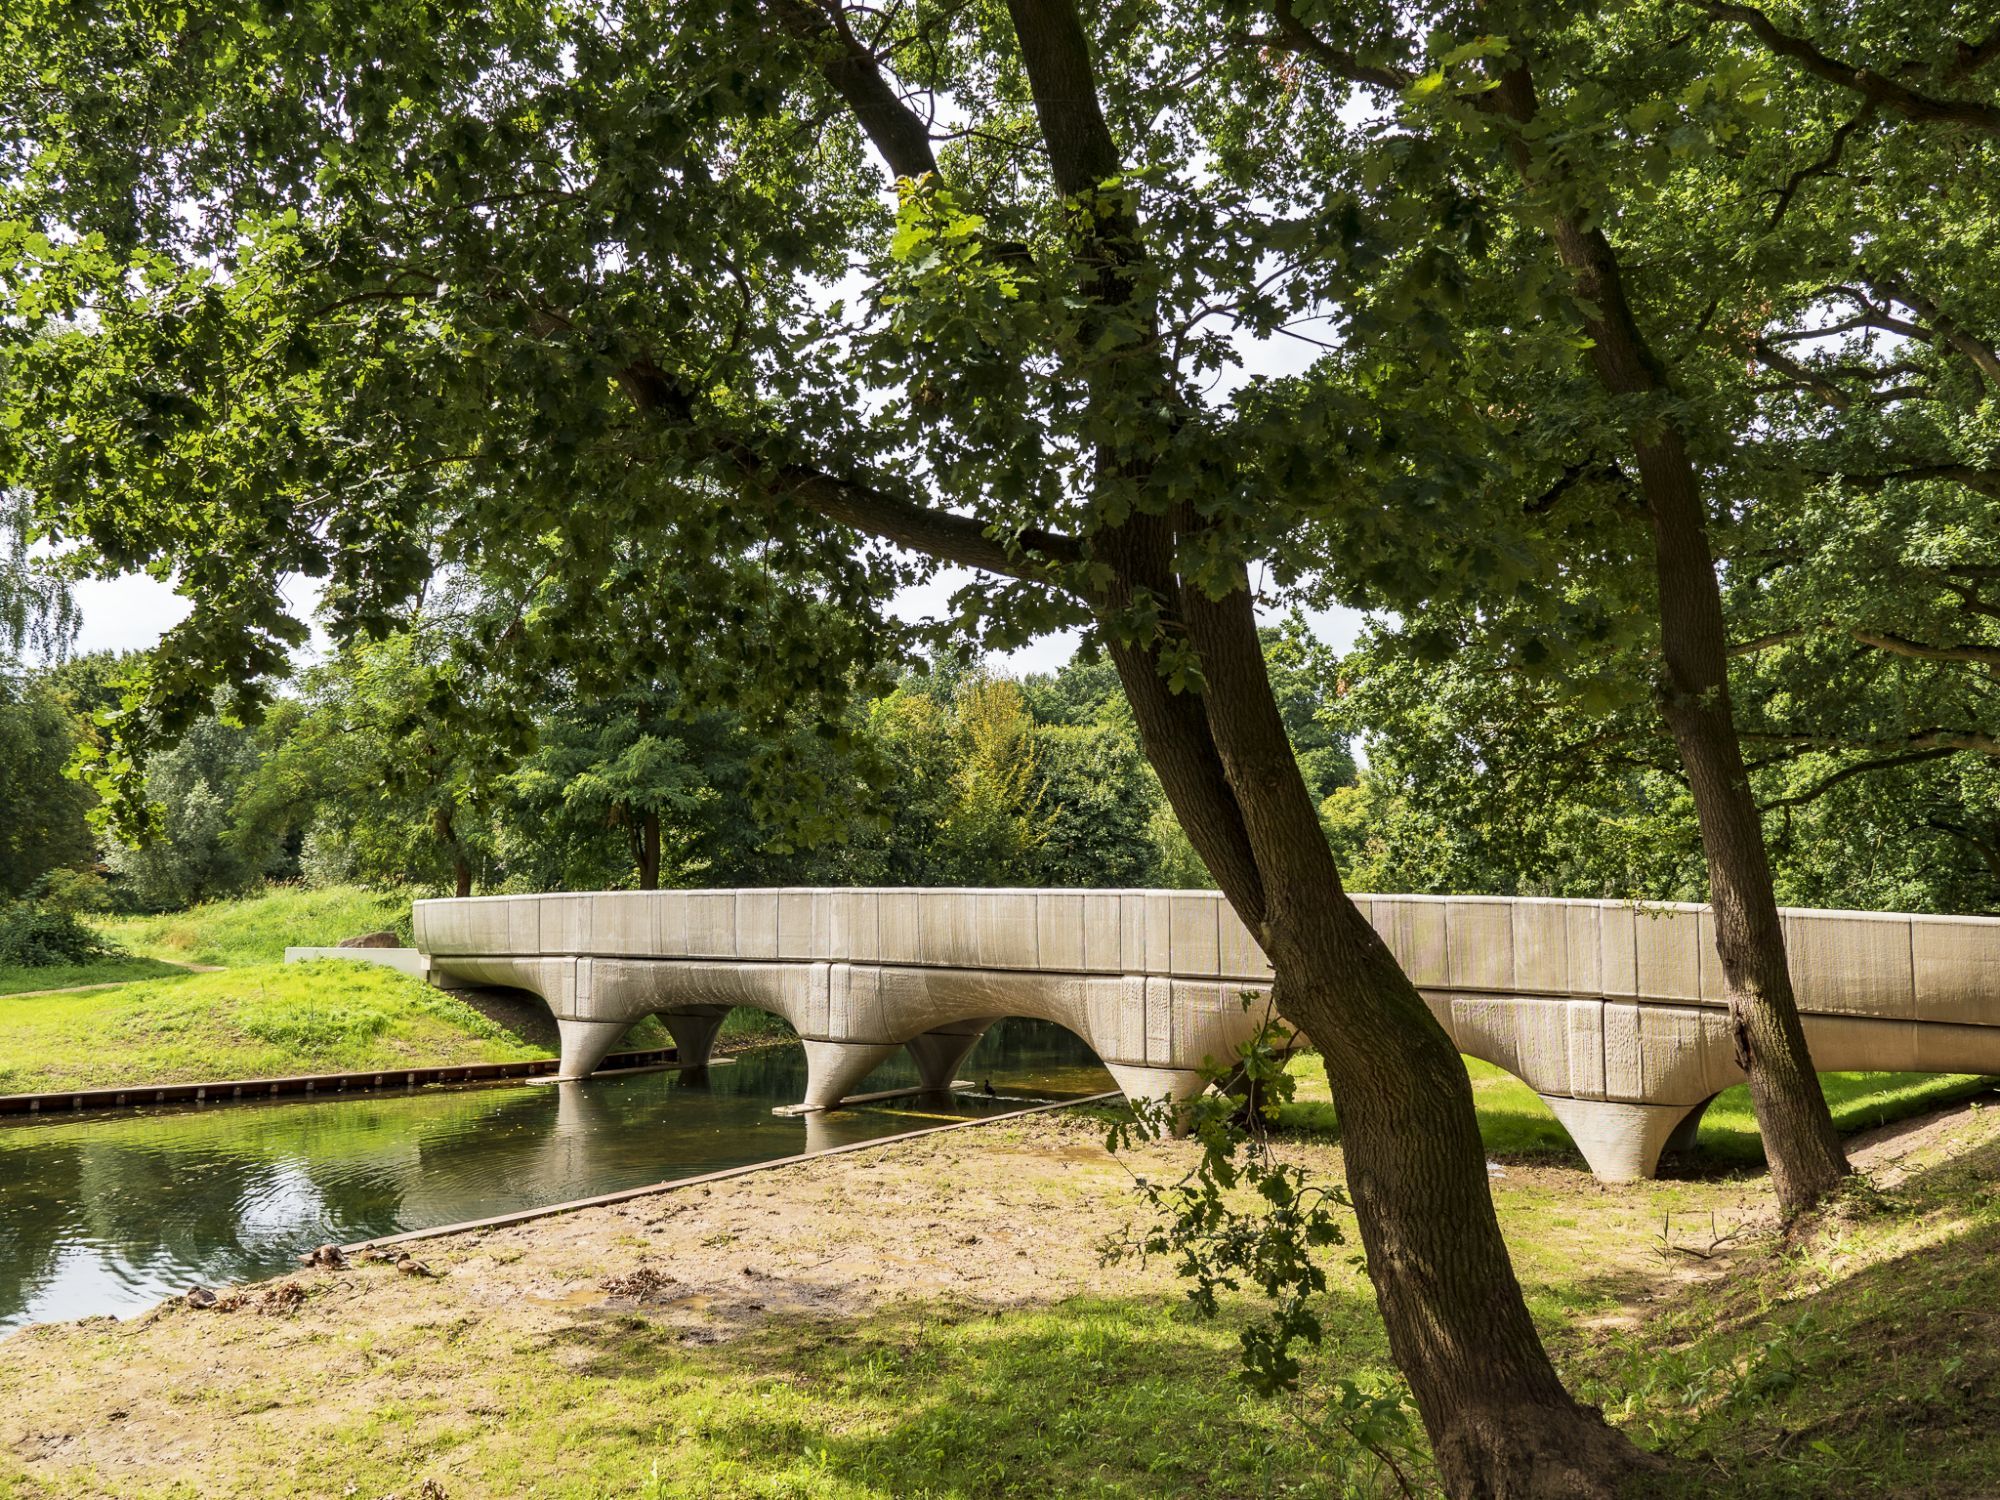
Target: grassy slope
[256,1021]
[16,981]
[259,1017]
[258,929]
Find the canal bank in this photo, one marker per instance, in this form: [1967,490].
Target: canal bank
[110,1213]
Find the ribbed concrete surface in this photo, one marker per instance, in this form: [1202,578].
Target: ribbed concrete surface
[1611,1011]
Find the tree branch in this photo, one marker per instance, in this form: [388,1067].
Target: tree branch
[1860,768]
[1872,86]
[850,69]
[1988,656]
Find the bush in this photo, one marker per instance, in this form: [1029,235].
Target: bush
[39,936]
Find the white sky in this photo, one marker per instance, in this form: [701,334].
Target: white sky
[133,612]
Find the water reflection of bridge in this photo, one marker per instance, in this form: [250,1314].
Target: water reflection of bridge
[1612,1013]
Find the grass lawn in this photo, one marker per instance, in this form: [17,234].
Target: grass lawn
[259,928]
[260,1020]
[67,976]
[1515,1124]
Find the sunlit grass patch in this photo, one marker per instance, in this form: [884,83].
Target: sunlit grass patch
[256,1021]
[258,929]
[1515,1123]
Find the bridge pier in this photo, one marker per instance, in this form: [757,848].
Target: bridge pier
[1682,1141]
[834,1069]
[585,1044]
[693,1032]
[1621,1142]
[1170,1086]
[940,1053]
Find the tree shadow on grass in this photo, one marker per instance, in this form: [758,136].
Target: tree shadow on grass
[1087,1397]
[1809,1378]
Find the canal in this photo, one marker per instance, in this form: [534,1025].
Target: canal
[109,1213]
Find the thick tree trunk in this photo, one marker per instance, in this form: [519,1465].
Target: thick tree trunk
[649,852]
[1804,1150]
[462,876]
[1500,1421]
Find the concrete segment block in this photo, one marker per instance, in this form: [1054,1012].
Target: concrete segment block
[1132,931]
[1954,1049]
[1624,1068]
[1617,930]
[621,922]
[797,923]
[1583,927]
[1957,969]
[756,924]
[1193,937]
[1859,1044]
[1541,947]
[1115,1019]
[1527,1037]
[1584,1026]
[1711,984]
[1059,931]
[1674,1054]
[901,928]
[1479,946]
[711,919]
[1103,934]
[1004,930]
[1667,945]
[1851,965]
[1238,955]
[852,916]
[1416,933]
[1159,1018]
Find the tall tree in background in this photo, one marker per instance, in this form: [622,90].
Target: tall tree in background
[1632,184]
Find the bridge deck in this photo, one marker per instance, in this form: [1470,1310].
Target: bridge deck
[1613,1012]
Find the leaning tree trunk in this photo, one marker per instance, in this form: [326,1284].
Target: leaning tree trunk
[1804,1150]
[1500,1421]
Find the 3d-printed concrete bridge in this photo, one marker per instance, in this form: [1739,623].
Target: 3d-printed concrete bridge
[1612,1013]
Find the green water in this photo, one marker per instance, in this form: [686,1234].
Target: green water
[109,1213]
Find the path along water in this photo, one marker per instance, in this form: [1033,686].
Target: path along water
[108,1214]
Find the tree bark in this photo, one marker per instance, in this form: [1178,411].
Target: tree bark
[649,852]
[462,876]
[1499,1419]
[1803,1148]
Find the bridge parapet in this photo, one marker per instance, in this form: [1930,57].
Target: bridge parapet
[1612,1011]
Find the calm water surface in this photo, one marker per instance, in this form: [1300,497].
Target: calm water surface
[109,1213]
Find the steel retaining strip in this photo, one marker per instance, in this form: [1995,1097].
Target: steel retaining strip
[626,1195]
[231,1090]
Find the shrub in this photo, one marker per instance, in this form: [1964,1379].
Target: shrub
[39,936]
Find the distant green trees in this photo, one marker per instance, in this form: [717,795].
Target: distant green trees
[397,762]
[42,824]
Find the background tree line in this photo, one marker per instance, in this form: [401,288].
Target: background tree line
[373,772]
[957,775]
